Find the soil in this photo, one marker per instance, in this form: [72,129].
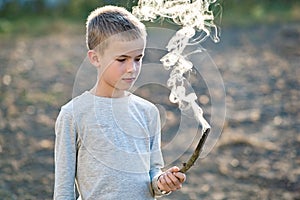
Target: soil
[256,157]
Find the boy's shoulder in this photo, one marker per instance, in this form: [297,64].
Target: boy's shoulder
[142,101]
[143,104]
[77,104]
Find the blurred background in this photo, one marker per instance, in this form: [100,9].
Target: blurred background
[258,154]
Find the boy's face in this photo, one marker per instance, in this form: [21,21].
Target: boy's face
[120,65]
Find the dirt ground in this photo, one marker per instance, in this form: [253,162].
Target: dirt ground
[257,156]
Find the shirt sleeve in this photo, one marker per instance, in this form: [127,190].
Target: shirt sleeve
[156,159]
[65,157]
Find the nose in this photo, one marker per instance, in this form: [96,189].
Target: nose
[131,67]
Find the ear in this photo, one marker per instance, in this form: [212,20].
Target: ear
[94,58]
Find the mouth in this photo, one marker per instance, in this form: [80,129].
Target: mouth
[128,80]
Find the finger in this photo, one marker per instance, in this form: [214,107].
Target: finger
[173,181]
[180,176]
[173,178]
[168,181]
[162,183]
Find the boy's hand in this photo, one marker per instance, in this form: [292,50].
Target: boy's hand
[171,180]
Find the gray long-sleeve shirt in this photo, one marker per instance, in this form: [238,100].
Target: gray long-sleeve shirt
[108,147]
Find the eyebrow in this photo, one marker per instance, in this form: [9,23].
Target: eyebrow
[126,56]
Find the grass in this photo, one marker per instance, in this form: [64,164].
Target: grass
[247,14]
[260,13]
[36,26]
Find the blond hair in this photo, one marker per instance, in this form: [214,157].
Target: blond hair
[108,21]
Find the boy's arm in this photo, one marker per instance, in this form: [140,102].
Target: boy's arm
[65,157]
[156,159]
[162,183]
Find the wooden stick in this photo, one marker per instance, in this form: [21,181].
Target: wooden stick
[196,153]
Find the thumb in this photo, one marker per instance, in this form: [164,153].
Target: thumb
[173,169]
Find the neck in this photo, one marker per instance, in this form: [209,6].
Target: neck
[109,94]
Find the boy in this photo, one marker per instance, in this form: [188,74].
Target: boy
[108,139]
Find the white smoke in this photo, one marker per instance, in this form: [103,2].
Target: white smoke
[194,17]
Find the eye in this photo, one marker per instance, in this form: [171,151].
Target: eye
[121,59]
[138,59]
